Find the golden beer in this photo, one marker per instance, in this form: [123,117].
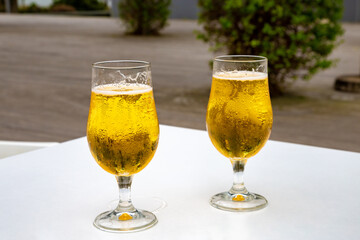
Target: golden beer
[239,115]
[123,128]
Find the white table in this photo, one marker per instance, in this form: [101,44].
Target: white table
[55,193]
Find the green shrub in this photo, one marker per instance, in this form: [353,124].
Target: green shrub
[296,36]
[82,5]
[62,8]
[32,8]
[144,17]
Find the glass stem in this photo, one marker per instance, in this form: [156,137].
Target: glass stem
[238,184]
[125,204]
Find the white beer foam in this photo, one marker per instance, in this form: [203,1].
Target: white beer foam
[240,75]
[121,89]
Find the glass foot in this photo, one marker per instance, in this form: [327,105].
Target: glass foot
[113,221]
[238,202]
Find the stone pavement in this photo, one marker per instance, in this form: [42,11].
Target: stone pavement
[45,64]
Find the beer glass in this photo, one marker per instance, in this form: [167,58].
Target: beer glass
[239,121]
[123,134]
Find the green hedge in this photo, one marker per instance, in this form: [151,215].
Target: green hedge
[296,36]
[144,17]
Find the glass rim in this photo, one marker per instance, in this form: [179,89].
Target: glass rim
[102,64]
[251,58]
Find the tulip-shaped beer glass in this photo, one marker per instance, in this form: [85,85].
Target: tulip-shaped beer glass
[123,134]
[239,120]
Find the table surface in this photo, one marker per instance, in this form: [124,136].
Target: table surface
[56,192]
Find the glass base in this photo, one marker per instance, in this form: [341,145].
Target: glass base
[238,202]
[113,221]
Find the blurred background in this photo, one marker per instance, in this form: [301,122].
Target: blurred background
[47,48]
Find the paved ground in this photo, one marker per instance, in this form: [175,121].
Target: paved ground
[45,81]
